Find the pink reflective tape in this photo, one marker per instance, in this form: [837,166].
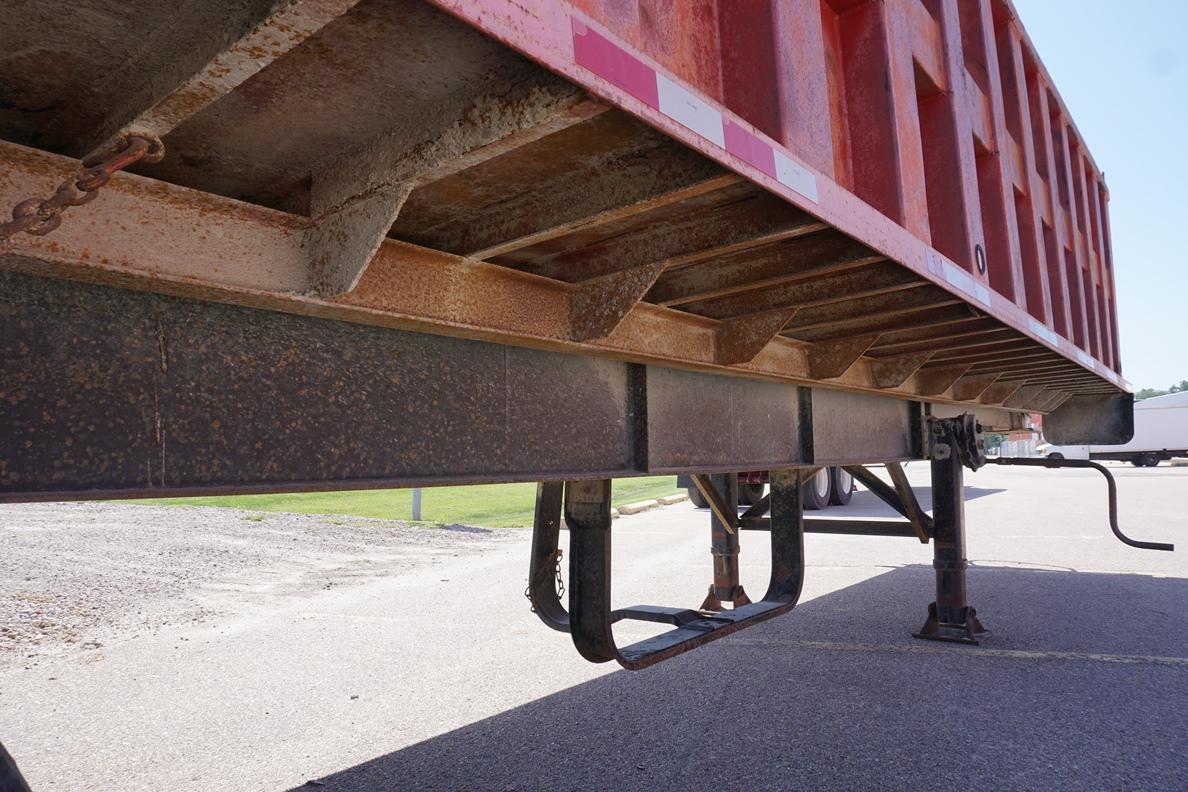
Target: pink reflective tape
[612,63]
[745,145]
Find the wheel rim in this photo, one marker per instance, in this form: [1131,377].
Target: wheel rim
[821,483]
[845,481]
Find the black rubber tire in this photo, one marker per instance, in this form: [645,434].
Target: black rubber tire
[696,498]
[1056,455]
[749,494]
[841,486]
[815,492]
[1148,460]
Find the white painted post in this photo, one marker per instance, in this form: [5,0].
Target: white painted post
[416,510]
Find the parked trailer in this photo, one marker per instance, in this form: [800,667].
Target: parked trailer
[1160,434]
[829,486]
[338,244]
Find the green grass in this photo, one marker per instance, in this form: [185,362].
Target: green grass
[490,505]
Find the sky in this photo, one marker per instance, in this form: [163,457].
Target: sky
[1122,69]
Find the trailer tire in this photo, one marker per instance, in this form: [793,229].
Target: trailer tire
[815,491]
[1056,455]
[696,498]
[1147,460]
[841,486]
[749,494]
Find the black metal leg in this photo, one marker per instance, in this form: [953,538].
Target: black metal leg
[950,618]
[544,590]
[787,536]
[588,516]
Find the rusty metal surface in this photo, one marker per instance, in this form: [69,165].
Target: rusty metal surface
[855,426]
[698,420]
[1092,420]
[39,216]
[674,254]
[106,392]
[235,252]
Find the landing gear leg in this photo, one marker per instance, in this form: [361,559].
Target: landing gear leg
[950,617]
[724,547]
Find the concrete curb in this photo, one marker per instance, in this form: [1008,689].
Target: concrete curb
[643,506]
[639,506]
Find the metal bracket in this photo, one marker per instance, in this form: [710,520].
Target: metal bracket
[961,435]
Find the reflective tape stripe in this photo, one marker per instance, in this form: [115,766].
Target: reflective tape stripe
[603,57]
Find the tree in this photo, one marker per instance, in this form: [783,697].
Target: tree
[1148,393]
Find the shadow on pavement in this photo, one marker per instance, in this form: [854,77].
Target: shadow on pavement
[1083,685]
[865,503]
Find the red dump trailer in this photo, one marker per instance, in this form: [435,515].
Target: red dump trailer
[338,244]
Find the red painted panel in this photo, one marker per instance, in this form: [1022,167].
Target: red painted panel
[749,70]
[847,97]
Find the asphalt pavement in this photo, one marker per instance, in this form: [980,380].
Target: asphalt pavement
[426,670]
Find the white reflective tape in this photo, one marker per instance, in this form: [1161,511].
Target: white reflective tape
[795,176]
[1086,359]
[1044,332]
[690,110]
[960,278]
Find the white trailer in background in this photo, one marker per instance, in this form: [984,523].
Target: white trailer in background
[1160,433]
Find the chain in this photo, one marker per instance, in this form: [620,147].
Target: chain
[559,584]
[557,574]
[39,216]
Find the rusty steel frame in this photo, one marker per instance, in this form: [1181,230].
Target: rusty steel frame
[116,393]
[404,286]
[684,249]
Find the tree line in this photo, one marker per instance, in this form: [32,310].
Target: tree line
[1147,393]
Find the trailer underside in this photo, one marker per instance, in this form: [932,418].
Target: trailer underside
[482,196]
[385,248]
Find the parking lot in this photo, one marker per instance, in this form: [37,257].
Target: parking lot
[163,649]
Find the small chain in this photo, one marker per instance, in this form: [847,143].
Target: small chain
[557,572]
[560,584]
[39,216]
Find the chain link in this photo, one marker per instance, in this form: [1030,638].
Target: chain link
[38,216]
[559,583]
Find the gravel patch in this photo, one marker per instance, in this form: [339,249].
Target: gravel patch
[77,575]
